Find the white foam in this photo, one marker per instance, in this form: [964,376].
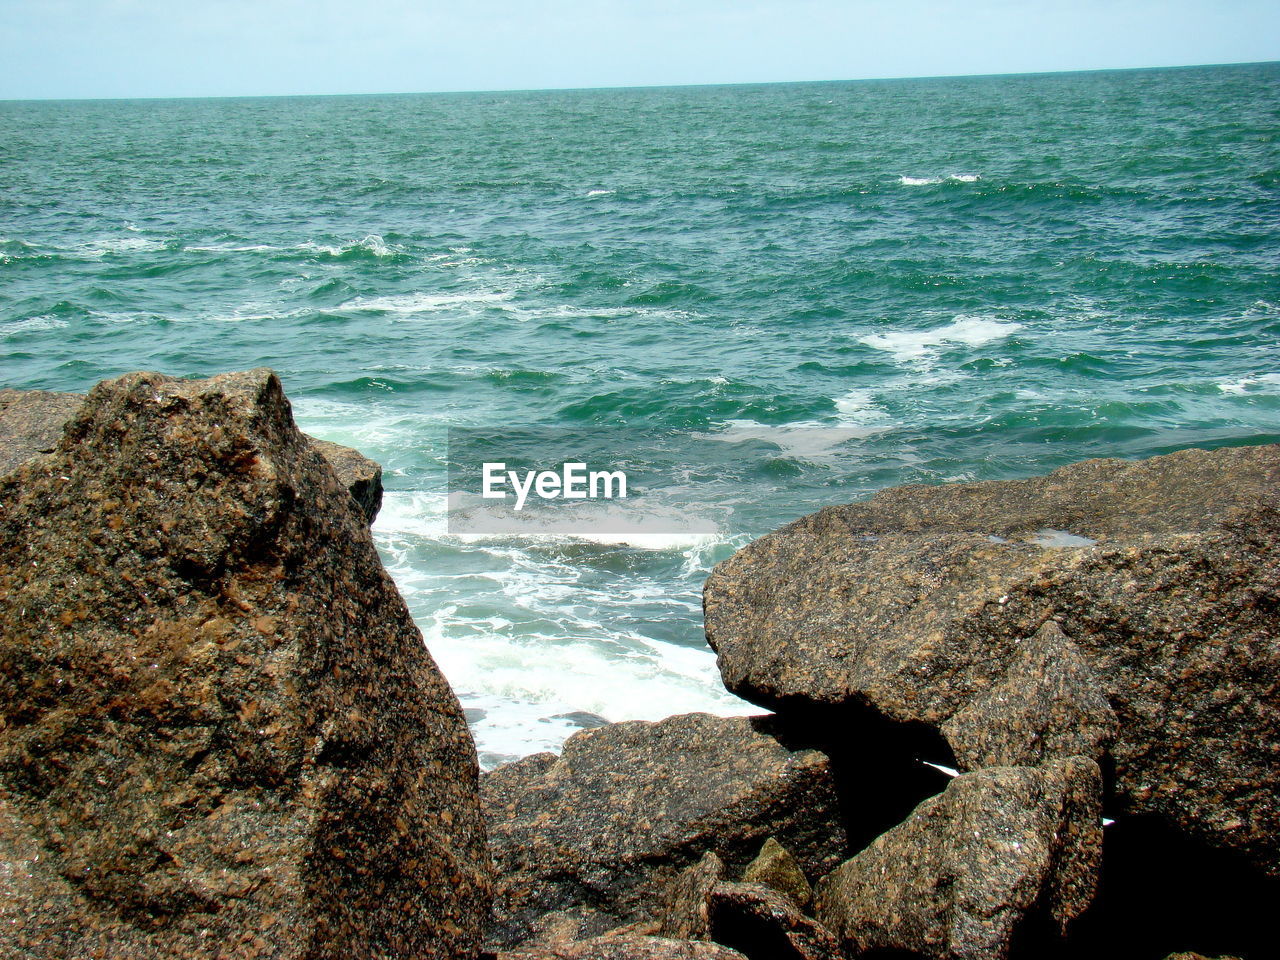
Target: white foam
[372,243]
[1247,385]
[601,193]
[407,304]
[965,177]
[918,181]
[231,248]
[857,407]
[97,249]
[909,345]
[43,322]
[804,440]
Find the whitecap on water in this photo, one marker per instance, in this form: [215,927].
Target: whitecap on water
[909,345]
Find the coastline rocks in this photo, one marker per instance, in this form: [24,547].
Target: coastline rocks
[220,732]
[928,608]
[588,841]
[777,869]
[969,865]
[627,948]
[764,924]
[31,423]
[684,902]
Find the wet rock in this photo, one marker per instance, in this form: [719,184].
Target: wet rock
[627,948]
[220,731]
[766,925]
[600,831]
[684,902]
[1049,704]
[777,869]
[972,864]
[31,423]
[913,608]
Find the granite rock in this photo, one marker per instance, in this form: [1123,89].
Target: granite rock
[626,948]
[766,925]
[914,607]
[220,732]
[684,902]
[970,865]
[31,423]
[775,868]
[600,831]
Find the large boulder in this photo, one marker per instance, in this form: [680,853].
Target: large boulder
[220,732]
[923,607]
[971,865]
[626,948]
[764,924]
[31,423]
[594,836]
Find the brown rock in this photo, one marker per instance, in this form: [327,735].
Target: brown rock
[775,868]
[1049,704]
[627,948]
[684,902]
[601,831]
[969,865]
[31,423]
[1165,574]
[766,925]
[220,731]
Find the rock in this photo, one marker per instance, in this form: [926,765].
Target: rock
[361,476]
[1049,704]
[913,608]
[220,731]
[971,864]
[31,423]
[766,925]
[603,829]
[684,902]
[627,948]
[777,869]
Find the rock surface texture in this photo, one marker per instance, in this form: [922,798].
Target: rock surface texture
[766,925]
[588,841]
[971,864]
[930,607]
[220,732]
[31,423]
[627,948]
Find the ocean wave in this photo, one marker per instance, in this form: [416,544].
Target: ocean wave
[1247,385]
[969,331]
[408,304]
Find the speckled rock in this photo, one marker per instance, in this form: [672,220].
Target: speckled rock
[766,925]
[777,869]
[627,948]
[684,901]
[1048,704]
[31,423]
[600,831]
[969,865]
[1164,574]
[220,732]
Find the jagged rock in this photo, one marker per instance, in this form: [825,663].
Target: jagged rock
[969,865]
[361,476]
[1165,574]
[766,925]
[601,831]
[1195,956]
[627,948]
[31,423]
[1049,704]
[220,732]
[777,869]
[684,902]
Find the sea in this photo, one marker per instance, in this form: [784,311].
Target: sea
[814,290]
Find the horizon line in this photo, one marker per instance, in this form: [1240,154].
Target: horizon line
[641,86]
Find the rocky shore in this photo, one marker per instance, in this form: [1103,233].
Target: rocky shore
[221,734]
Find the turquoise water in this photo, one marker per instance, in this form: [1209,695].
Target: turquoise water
[970,278]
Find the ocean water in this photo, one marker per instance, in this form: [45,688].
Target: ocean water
[835,287]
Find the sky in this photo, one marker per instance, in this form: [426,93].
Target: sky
[182,48]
